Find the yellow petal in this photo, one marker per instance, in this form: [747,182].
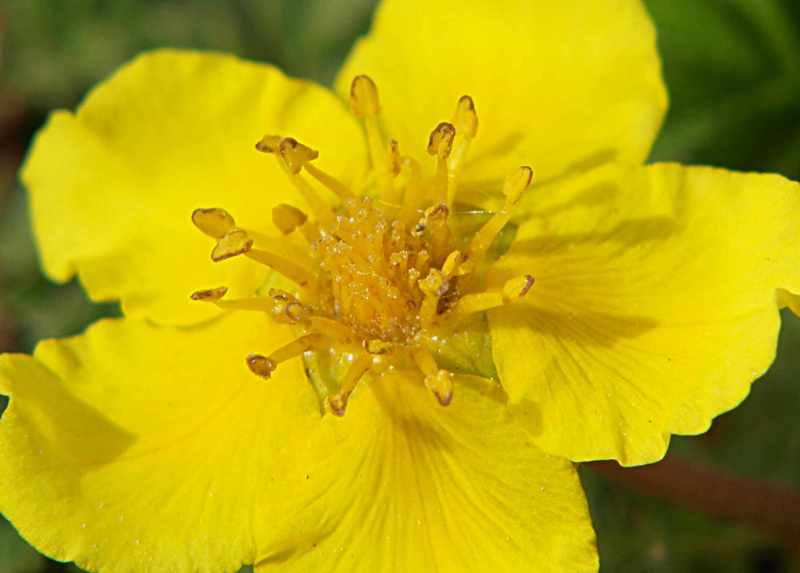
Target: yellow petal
[113,186]
[561,84]
[137,448]
[655,303]
[409,485]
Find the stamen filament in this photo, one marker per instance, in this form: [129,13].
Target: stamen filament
[366,105]
[300,274]
[329,181]
[513,290]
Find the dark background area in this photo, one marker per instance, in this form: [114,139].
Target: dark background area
[732,71]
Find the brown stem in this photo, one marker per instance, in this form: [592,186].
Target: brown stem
[769,507]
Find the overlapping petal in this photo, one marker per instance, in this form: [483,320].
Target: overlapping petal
[412,486]
[144,448]
[655,303]
[138,448]
[113,186]
[557,85]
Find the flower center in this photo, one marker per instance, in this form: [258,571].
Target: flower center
[383,273]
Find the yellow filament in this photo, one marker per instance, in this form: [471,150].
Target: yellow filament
[299,273]
[439,232]
[329,181]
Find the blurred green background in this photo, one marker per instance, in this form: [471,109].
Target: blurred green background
[732,70]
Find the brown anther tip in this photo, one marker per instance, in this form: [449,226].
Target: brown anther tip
[269,143]
[210,295]
[395,161]
[440,210]
[440,142]
[260,365]
[338,404]
[444,399]
[529,280]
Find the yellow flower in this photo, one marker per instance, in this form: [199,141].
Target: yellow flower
[620,305]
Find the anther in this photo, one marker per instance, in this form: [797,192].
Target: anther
[260,365]
[364,97]
[215,223]
[515,184]
[215,297]
[287,218]
[440,142]
[234,243]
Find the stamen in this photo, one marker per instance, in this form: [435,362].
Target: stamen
[215,223]
[465,120]
[440,144]
[234,243]
[264,366]
[438,381]
[299,273]
[513,290]
[514,186]
[366,105]
[292,157]
[329,181]
[433,286]
[436,225]
[359,367]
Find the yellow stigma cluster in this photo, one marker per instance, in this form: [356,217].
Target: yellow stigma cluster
[383,272]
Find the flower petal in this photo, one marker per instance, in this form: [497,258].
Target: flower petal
[561,84]
[655,303]
[113,186]
[412,486]
[139,448]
